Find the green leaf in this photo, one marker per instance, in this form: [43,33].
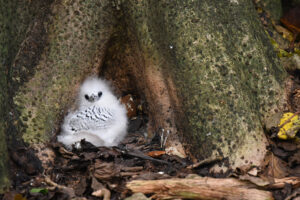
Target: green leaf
[39,190]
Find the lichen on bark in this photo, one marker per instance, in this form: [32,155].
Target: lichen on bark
[15,17]
[227,76]
[77,33]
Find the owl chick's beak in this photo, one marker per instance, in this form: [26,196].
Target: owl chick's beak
[93,98]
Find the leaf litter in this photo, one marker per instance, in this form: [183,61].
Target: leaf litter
[103,172]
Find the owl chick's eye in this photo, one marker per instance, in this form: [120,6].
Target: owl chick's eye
[99,94]
[86,97]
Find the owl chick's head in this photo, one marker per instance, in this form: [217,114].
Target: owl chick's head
[95,91]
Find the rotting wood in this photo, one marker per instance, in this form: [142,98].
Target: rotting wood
[199,188]
[276,183]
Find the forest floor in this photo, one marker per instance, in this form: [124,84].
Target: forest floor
[101,172]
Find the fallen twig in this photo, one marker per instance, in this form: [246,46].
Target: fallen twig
[141,155]
[67,190]
[129,173]
[205,162]
[132,169]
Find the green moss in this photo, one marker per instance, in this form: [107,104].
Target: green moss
[15,18]
[222,63]
[74,43]
[273,8]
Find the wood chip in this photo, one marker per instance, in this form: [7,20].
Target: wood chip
[105,193]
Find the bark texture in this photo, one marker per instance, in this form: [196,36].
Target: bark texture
[15,17]
[75,35]
[4,181]
[227,77]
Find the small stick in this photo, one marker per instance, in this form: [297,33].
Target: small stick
[129,173]
[68,190]
[205,162]
[50,182]
[132,169]
[139,154]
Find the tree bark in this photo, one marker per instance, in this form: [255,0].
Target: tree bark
[211,71]
[4,180]
[15,17]
[206,69]
[76,35]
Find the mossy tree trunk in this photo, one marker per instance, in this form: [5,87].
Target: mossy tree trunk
[206,69]
[224,77]
[15,20]
[47,48]
[3,149]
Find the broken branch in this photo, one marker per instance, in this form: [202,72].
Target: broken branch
[205,162]
[199,188]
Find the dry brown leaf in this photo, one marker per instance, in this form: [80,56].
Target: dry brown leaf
[105,170]
[294,159]
[19,197]
[81,187]
[96,185]
[275,167]
[155,154]
[287,145]
[294,196]
[130,105]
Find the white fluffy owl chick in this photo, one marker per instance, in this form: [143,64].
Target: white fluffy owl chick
[100,119]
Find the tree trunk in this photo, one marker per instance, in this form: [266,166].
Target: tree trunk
[76,34]
[4,181]
[206,69]
[15,18]
[210,71]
